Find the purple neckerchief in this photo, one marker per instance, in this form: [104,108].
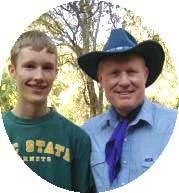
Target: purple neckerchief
[114,149]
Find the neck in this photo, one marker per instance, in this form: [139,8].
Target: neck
[30,110]
[122,113]
[131,114]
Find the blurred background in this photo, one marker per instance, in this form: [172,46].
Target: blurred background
[77,28]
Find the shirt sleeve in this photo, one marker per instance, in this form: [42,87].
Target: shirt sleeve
[82,177]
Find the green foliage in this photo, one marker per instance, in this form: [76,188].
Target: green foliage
[82,26]
[165,89]
[8,94]
[57,88]
[66,23]
[177,105]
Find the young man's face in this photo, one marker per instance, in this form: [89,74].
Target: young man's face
[124,82]
[34,72]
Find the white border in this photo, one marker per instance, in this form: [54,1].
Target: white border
[159,15]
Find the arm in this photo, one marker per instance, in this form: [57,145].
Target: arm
[82,176]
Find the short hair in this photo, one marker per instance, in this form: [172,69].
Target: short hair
[36,39]
[118,57]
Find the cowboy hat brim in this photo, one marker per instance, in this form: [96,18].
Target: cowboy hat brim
[151,51]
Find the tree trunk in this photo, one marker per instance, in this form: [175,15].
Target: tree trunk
[100,100]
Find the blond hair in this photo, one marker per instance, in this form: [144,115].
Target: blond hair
[36,39]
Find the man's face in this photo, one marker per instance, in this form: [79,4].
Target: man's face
[124,81]
[34,72]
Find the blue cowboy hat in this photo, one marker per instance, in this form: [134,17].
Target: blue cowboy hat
[121,42]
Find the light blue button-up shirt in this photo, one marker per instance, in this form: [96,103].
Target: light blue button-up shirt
[146,137]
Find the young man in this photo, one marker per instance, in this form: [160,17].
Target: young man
[129,137]
[52,146]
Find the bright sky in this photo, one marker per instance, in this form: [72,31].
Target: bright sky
[159,15]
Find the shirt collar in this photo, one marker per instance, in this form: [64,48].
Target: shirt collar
[111,117]
[145,114]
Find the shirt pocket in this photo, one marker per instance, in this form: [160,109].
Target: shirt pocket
[99,169]
[147,162]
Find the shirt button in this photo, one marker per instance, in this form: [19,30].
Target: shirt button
[125,139]
[124,162]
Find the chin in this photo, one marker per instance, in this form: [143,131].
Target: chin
[37,100]
[127,108]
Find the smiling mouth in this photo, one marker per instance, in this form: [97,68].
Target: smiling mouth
[124,93]
[37,88]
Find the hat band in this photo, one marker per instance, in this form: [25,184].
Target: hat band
[119,48]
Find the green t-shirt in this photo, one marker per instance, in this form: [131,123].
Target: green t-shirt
[54,148]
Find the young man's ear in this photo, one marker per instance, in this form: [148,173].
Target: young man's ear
[57,71]
[12,70]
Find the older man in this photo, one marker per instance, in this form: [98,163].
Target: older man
[129,137]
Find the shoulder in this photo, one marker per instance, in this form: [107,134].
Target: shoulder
[5,114]
[163,116]
[73,129]
[96,123]
[6,117]
[63,120]
[164,111]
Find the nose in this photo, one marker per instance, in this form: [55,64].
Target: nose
[38,75]
[124,80]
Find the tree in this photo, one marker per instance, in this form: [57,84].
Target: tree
[77,25]
[164,91]
[8,94]
[77,28]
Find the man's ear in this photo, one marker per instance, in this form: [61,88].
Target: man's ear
[146,70]
[99,74]
[12,70]
[100,80]
[99,77]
